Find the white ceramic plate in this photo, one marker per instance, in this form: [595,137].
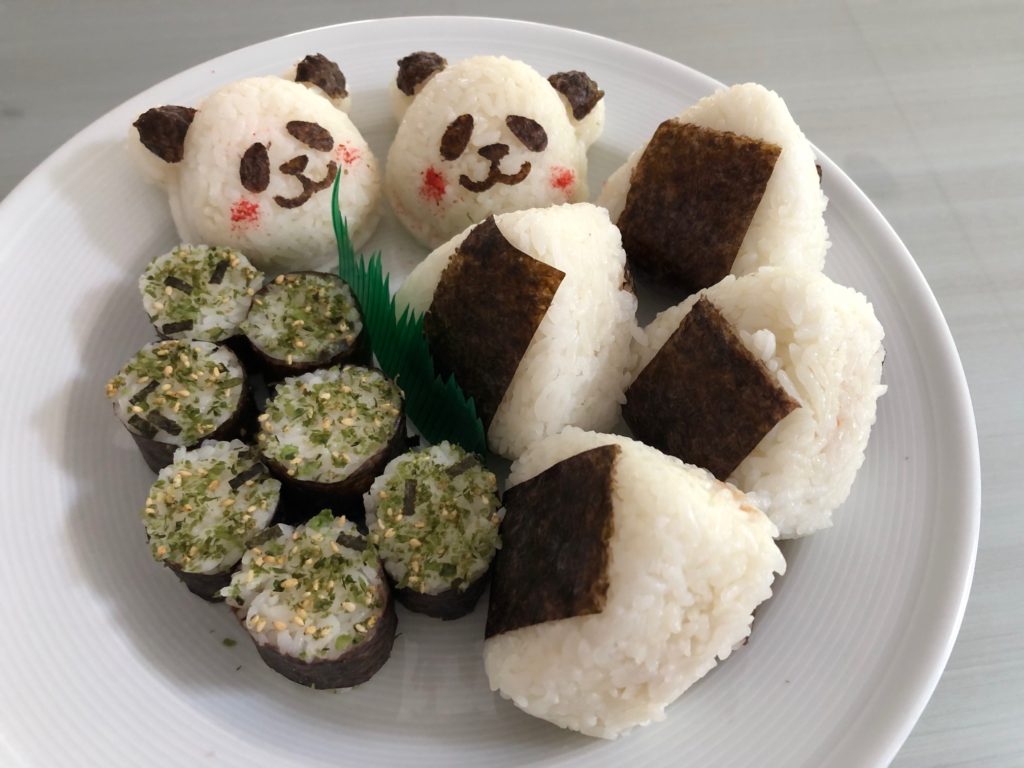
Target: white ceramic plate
[107,659]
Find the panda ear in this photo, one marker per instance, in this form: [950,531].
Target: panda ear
[580,92]
[415,69]
[162,131]
[316,70]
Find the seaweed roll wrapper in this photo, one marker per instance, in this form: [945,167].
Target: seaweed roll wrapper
[327,434]
[303,321]
[434,516]
[179,393]
[204,508]
[316,603]
[624,576]
[199,292]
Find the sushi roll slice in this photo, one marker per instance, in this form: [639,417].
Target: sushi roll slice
[327,434]
[728,186]
[204,507]
[199,292]
[178,393]
[623,577]
[771,381]
[533,314]
[303,321]
[316,602]
[434,516]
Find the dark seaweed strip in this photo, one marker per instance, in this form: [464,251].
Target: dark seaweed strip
[175,282]
[358,543]
[142,426]
[217,276]
[409,501]
[140,396]
[457,469]
[161,421]
[240,479]
[181,325]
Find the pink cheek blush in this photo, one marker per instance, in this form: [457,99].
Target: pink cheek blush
[563,179]
[244,214]
[346,154]
[433,187]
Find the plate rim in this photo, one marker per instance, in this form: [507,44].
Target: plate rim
[896,729]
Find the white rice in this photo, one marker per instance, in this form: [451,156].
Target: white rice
[206,193]
[824,343]
[489,89]
[574,371]
[690,559]
[788,228]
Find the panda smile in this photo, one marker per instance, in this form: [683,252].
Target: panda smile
[295,167]
[495,153]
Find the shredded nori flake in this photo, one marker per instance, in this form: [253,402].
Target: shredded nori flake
[704,397]
[323,73]
[691,199]
[176,282]
[182,325]
[254,168]
[467,462]
[409,499]
[579,89]
[162,131]
[456,136]
[553,561]
[142,426]
[488,304]
[529,132]
[417,68]
[358,543]
[311,134]
[161,421]
[140,396]
[242,478]
[217,276]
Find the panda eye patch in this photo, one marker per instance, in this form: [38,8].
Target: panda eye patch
[311,134]
[254,169]
[529,132]
[456,137]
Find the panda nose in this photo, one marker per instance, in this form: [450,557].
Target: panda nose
[493,152]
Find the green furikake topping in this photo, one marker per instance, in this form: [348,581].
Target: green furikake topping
[323,425]
[304,317]
[199,292]
[312,592]
[434,516]
[202,508]
[178,392]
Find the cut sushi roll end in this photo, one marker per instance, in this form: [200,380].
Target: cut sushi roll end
[316,603]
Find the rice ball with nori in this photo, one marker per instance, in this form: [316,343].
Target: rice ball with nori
[315,601]
[434,516]
[177,393]
[253,165]
[823,344]
[484,136]
[624,576]
[302,321]
[788,226]
[199,292]
[533,313]
[204,507]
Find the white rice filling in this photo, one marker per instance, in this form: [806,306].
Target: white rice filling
[690,560]
[214,309]
[304,317]
[311,592]
[195,518]
[198,387]
[324,425]
[451,537]
[824,345]
[575,369]
[788,228]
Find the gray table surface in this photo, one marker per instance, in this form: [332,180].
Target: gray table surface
[922,103]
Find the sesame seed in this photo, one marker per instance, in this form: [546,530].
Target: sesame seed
[165,388]
[183,358]
[161,551]
[289,359]
[325,395]
[289,583]
[335,548]
[348,606]
[167,291]
[261,625]
[249,292]
[183,393]
[227,502]
[360,628]
[300,344]
[299,620]
[158,306]
[137,409]
[347,422]
[419,524]
[415,543]
[279,279]
[214,485]
[389,533]
[168,370]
